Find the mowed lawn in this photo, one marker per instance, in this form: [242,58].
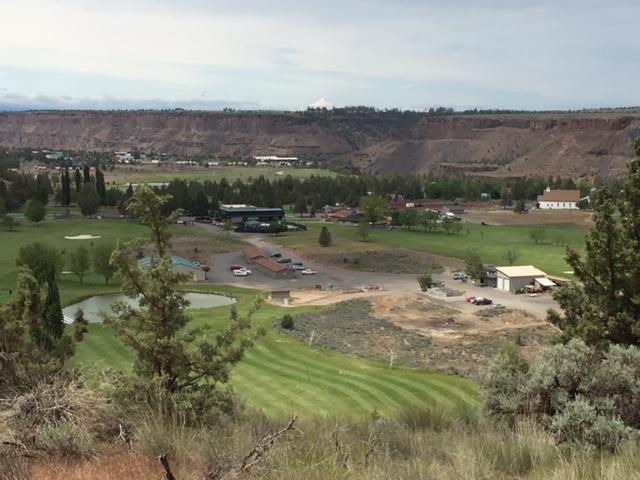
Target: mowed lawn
[490,242]
[125,175]
[53,232]
[283,376]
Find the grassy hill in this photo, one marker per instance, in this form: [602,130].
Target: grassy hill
[282,376]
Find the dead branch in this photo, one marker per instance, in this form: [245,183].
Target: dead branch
[123,436]
[371,444]
[255,456]
[164,460]
[342,457]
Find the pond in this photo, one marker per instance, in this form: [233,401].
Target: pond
[95,307]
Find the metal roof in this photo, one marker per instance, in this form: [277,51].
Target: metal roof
[521,271]
[545,282]
[145,262]
[559,196]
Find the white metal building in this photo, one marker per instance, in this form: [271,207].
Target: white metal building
[511,279]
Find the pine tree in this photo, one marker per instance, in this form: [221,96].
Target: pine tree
[188,366]
[605,306]
[200,204]
[325,237]
[86,174]
[100,187]
[52,318]
[65,188]
[78,180]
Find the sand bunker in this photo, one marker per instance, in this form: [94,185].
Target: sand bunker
[83,237]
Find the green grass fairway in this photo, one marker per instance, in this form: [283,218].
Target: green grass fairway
[124,175]
[490,242]
[53,233]
[283,376]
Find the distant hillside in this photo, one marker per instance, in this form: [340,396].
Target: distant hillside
[570,144]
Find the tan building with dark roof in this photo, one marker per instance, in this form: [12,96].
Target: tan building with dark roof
[266,265]
[559,199]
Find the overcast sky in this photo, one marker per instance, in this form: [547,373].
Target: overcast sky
[288,54]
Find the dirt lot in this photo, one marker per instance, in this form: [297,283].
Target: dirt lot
[417,330]
[533,217]
[387,260]
[465,338]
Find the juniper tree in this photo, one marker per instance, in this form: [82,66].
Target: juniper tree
[52,318]
[31,349]
[101,190]
[35,211]
[605,306]
[86,174]
[324,239]
[77,180]
[65,188]
[189,366]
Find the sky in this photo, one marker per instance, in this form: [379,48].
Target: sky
[286,54]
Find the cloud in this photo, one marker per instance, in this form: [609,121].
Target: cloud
[285,52]
[16,102]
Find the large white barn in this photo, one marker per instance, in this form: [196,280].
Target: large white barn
[559,199]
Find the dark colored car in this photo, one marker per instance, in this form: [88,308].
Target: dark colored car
[481,301]
[276,255]
[284,260]
[299,264]
[234,267]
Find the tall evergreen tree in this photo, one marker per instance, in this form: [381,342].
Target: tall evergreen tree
[605,306]
[52,318]
[78,180]
[200,204]
[100,187]
[86,174]
[65,188]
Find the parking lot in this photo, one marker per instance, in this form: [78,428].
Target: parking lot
[335,278]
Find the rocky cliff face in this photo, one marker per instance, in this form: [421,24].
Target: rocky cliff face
[498,145]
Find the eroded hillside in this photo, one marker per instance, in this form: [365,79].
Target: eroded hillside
[501,145]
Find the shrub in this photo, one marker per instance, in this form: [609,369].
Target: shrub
[287,322]
[425,281]
[579,393]
[504,381]
[59,415]
[581,422]
[325,237]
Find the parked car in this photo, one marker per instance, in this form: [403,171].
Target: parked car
[297,267]
[459,276]
[308,271]
[234,267]
[244,269]
[240,273]
[275,255]
[284,260]
[481,301]
[297,263]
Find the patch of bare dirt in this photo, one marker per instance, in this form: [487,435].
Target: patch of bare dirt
[386,260]
[464,338]
[533,217]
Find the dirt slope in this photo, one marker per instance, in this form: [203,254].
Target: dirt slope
[498,145]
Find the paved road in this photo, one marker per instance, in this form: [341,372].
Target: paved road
[345,279]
